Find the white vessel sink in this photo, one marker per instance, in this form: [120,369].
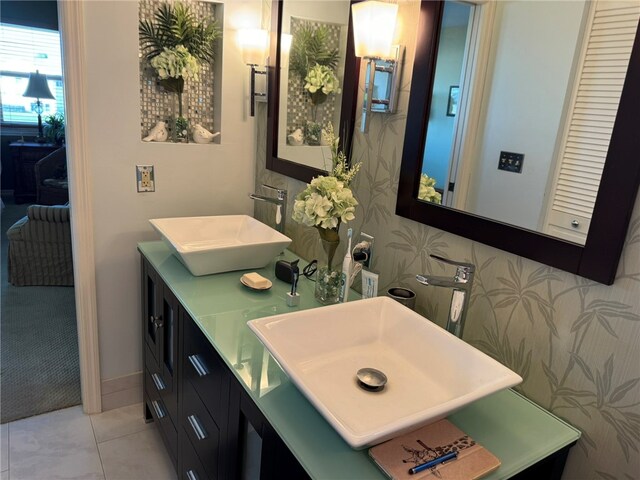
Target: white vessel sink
[430,372]
[224,243]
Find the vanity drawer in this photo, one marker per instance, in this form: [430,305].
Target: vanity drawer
[160,414]
[203,369]
[201,430]
[192,468]
[163,387]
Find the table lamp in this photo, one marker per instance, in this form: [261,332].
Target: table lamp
[38,88]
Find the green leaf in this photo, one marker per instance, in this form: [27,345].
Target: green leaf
[553,379]
[583,366]
[508,283]
[608,373]
[506,302]
[527,308]
[566,391]
[621,390]
[582,320]
[573,402]
[548,319]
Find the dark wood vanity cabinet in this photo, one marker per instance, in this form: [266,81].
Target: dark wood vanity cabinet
[160,347]
[211,427]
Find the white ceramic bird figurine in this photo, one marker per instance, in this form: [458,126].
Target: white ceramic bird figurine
[159,133]
[296,138]
[202,135]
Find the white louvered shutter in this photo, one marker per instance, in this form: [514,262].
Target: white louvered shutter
[597,89]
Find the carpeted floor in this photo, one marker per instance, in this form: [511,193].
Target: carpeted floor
[39,366]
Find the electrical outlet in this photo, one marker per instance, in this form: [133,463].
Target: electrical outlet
[363,250]
[145,179]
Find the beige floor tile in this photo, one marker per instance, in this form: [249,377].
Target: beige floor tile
[56,445]
[119,422]
[4,447]
[139,456]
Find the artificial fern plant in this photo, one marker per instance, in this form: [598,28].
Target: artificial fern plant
[309,48]
[177,25]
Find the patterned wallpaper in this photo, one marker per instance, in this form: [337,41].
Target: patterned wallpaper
[158,105]
[576,343]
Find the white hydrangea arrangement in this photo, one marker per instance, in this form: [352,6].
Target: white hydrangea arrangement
[327,201]
[324,204]
[427,190]
[176,63]
[321,79]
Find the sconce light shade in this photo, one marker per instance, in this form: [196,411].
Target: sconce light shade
[374,24]
[254,46]
[38,87]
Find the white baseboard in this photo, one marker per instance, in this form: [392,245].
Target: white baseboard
[121,391]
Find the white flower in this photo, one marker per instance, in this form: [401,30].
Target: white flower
[176,63]
[321,77]
[324,203]
[427,189]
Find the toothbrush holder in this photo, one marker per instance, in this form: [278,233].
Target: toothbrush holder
[404,296]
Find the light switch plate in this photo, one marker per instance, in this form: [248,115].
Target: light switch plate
[511,162]
[145,178]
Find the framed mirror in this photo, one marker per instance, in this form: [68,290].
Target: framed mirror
[313,82]
[487,104]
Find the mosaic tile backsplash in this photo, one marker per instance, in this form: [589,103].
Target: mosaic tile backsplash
[298,101]
[158,105]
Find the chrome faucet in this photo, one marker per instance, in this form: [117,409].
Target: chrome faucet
[461,284]
[280,201]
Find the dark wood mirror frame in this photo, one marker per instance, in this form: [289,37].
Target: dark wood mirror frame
[598,258]
[348,108]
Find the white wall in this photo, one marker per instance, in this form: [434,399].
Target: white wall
[534,44]
[190,179]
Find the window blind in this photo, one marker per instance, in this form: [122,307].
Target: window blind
[24,50]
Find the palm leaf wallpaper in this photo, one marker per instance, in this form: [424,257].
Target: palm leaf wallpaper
[576,343]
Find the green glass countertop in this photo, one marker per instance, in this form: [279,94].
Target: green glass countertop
[513,428]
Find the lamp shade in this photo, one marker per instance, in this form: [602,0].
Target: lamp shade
[374,24]
[38,87]
[254,46]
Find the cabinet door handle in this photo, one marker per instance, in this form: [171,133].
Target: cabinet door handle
[197,427]
[158,408]
[191,475]
[160,385]
[156,321]
[198,365]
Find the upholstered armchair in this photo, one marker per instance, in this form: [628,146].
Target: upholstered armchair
[40,247]
[52,186]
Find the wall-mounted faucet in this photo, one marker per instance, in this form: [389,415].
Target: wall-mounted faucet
[280,201]
[461,284]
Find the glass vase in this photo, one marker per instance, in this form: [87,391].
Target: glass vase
[328,276]
[180,124]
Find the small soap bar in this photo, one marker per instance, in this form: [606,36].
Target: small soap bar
[255,280]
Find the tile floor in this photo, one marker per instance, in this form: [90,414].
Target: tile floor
[67,444]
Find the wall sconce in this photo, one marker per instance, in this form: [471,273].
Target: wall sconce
[374,24]
[254,46]
[38,88]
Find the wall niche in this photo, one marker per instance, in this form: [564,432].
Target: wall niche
[180,107]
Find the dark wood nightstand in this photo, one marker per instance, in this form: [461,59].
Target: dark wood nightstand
[25,155]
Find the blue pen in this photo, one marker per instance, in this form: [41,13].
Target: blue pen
[434,462]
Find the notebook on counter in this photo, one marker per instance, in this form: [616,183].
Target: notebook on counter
[395,457]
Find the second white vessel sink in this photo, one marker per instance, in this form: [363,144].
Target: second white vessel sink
[431,373]
[223,243]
